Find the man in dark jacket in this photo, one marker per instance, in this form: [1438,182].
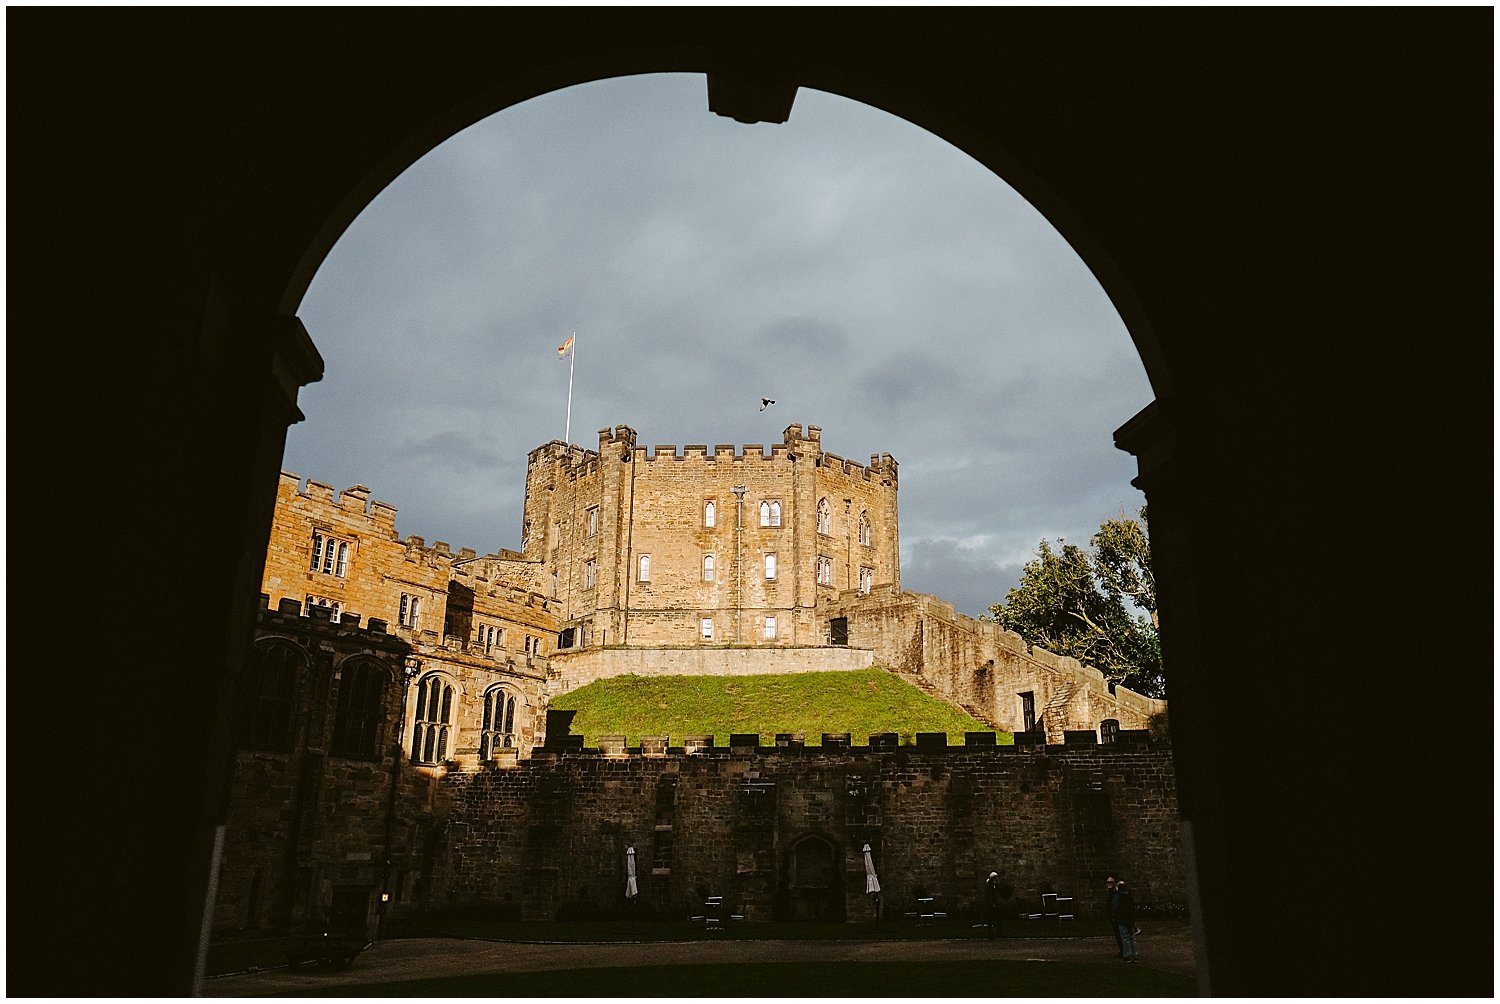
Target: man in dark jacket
[1109,915]
[1124,920]
[996,893]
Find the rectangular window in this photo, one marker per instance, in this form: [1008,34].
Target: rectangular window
[329,555]
[706,626]
[770,628]
[589,571]
[770,566]
[593,521]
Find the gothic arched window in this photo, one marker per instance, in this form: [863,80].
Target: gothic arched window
[433,725]
[361,702]
[266,689]
[499,730]
[824,519]
[864,528]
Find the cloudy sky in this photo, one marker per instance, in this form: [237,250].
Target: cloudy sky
[869,277]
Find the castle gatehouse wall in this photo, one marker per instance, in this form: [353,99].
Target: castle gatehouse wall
[779,832]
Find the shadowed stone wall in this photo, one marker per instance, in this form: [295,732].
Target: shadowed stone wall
[548,839]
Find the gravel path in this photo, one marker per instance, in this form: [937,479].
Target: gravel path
[1165,945]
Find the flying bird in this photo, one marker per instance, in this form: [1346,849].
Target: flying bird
[764,402]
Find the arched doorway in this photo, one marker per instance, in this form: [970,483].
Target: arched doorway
[813,881]
[1314,336]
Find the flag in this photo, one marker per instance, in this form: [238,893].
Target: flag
[565,348]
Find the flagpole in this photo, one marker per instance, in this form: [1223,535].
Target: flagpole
[572,358]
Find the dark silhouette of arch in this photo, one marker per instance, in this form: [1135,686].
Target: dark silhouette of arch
[1291,212]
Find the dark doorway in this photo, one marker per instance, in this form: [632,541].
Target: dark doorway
[1028,711]
[350,911]
[815,885]
[838,631]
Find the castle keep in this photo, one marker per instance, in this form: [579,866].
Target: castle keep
[394,750]
[652,547]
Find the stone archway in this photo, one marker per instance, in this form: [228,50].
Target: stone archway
[1291,213]
[813,881]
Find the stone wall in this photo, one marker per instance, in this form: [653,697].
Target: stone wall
[758,826]
[983,668]
[573,669]
[378,574]
[311,825]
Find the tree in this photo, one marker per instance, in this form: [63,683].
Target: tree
[1098,606]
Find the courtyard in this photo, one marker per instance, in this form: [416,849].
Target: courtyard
[867,963]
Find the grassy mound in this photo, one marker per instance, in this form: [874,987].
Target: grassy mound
[861,703]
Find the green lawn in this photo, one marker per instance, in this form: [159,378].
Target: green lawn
[1000,978]
[862,703]
[266,953]
[605,931]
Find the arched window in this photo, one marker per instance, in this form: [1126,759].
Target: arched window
[361,702]
[410,612]
[770,514]
[708,568]
[708,513]
[499,729]
[864,528]
[266,691]
[644,574]
[824,520]
[434,720]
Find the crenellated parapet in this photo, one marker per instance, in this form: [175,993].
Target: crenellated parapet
[840,744]
[354,502]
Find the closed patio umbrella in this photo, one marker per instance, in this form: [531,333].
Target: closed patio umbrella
[872,882]
[631,892]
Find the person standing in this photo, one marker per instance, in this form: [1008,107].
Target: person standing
[995,894]
[1109,915]
[1124,914]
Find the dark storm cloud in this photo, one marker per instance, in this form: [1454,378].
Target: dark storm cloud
[450,451]
[869,278]
[967,577]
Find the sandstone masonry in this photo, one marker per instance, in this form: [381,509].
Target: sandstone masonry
[393,745]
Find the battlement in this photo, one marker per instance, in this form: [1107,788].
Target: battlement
[575,458]
[798,442]
[832,744]
[289,611]
[355,499]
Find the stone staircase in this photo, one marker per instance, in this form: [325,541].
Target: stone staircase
[930,689]
[1054,715]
